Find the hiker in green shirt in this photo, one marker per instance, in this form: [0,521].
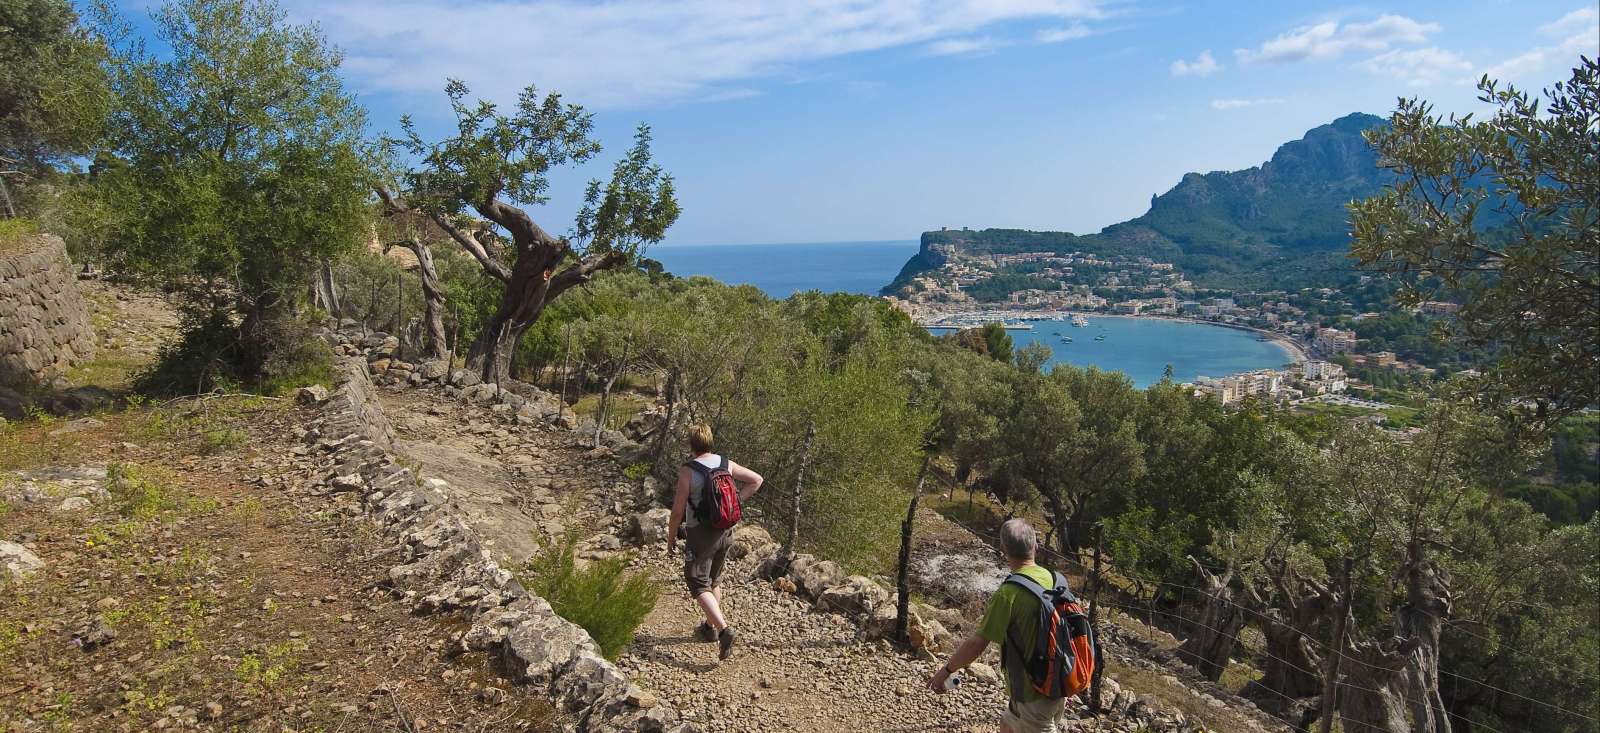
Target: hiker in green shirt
[1013,613]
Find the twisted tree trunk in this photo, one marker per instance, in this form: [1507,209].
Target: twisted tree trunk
[1216,632]
[1372,693]
[1422,618]
[433,342]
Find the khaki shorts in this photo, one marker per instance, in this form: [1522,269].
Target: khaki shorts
[705,552]
[1038,716]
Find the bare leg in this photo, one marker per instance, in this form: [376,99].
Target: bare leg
[711,606]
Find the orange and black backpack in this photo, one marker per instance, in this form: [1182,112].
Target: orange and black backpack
[1061,662]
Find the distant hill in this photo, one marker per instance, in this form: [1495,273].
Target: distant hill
[1281,222]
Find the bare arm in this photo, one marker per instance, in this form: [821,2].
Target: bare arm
[749,481]
[966,654]
[680,499]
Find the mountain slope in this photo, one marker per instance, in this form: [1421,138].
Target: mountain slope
[1282,219]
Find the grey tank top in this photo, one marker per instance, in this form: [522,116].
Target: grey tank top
[697,488]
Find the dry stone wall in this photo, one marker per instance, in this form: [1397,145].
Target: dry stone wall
[44,322]
[444,568]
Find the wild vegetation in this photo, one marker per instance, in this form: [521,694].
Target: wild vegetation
[235,172]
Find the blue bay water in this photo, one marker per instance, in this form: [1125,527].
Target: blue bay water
[1143,347]
[781,270]
[1139,347]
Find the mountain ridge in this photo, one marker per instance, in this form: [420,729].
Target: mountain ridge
[1283,219]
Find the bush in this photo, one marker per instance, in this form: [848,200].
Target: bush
[606,600]
[282,355]
[13,230]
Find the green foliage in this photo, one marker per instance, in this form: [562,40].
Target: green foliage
[603,597]
[496,162]
[235,167]
[139,495]
[12,231]
[53,96]
[1506,212]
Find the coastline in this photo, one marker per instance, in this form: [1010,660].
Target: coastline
[1294,352]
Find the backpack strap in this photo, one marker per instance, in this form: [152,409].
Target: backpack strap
[1038,592]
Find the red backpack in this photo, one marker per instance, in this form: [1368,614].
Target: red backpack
[719,496]
[1061,663]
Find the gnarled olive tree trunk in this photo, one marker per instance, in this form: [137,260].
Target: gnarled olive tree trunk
[1422,618]
[1372,687]
[1215,633]
[433,338]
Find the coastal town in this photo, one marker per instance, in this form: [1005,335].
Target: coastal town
[1317,327]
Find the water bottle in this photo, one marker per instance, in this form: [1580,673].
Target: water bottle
[951,680]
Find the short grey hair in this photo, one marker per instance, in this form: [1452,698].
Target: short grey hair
[1018,540]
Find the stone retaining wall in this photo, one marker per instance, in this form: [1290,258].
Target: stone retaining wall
[44,323]
[445,568]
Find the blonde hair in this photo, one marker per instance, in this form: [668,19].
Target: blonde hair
[700,438]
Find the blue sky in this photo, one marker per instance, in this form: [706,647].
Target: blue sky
[850,120]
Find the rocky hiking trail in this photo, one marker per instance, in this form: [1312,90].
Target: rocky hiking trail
[522,480]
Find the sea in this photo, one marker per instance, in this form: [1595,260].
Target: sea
[1142,348]
[781,270]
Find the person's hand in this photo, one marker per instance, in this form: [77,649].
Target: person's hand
[672,546]
[936,682]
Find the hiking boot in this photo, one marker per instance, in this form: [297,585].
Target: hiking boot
[725,643]
[704,632]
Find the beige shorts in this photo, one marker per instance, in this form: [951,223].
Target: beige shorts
[1038,716]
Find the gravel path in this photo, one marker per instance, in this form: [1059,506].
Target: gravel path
[794,669]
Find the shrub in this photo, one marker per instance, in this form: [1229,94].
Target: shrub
[603,597]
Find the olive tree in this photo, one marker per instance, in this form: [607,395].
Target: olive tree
[1505,212]
[495,164]
[236,168]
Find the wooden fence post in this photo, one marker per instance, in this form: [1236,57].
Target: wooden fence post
[902,610]
[1330,678]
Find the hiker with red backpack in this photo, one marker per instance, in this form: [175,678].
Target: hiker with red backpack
[1046,644]
[711,489]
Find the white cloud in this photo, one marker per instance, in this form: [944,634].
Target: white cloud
[1331,39]
[1227,104]
[1586,40]
[963,46]
[1069,33]
[1577,21]
[1203,65]
[629,53]
[1421,67]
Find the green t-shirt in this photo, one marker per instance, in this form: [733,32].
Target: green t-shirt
[1014,612]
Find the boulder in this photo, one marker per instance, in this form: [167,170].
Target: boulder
[435,370]
[857,595]
[315,394]
[649,527]
[19,561]
[747,539]
[479,393]
[464,378]
[815,576]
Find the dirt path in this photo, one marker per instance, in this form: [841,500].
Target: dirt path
[795,670]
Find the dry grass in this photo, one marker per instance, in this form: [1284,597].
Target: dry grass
[219,592]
